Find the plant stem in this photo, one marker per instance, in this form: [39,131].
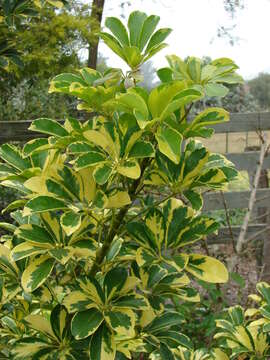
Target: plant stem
[117,221]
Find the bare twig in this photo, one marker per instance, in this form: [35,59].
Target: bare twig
[241,239]
[228,220]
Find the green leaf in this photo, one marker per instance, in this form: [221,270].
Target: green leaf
[218,90]
[100,200]
[132,101]
[194,69]
[133,56]
[90,76]
[264,289]
[144,257]
[166,353]
[148,28]
[113,44]
[34,145]
[165,75]
[210,116]
[24,250]
[207,269]
[237,278]
[62,82]
[117,199]
[158,37]
[70,222]
[155,274]
[165,321]
[122,321]
[102,173]
[135,24]
[194,198]
[169,143]
[86,323]
[142,234]
[133,301]
[37,272]
[114,249]
[114,280]
[162,95]
[8,227]
[89,159]
[154,50]
[142,149]
[183,98]
[237,315]
[48,126]
[57,189]
[102,345]
[175,339]
[59,321]
[118,30]
[13,156]
[77,301]
[28,347]
[130,169]
[79,147]
[61,255]
[43,203]
[35,235]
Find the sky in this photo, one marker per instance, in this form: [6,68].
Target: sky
[195,23]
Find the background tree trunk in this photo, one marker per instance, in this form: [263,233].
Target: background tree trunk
[96,17]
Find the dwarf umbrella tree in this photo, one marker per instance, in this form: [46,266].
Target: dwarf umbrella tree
[100,251]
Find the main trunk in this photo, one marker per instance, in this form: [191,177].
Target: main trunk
[96,17]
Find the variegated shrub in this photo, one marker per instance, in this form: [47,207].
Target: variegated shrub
[99,251]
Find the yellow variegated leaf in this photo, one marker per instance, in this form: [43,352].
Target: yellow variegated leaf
[130,284]
[52,225]
[77,301]
[130,169]
[255,297]
[147,317]
[156,223]
[39,323]
[102,344]
[101,139]
[91,290]
[37,184]
[25,350]
[260,339]
[70,222]
[37,272]
[25,249]
[251,312]
[88,188]
[220,355]
[126,346]
[118,199]
[144,256]
[62,255]
[242,336]
[121,321]
[207,268]
[6,259]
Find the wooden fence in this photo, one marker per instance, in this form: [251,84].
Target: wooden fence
[249,122]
